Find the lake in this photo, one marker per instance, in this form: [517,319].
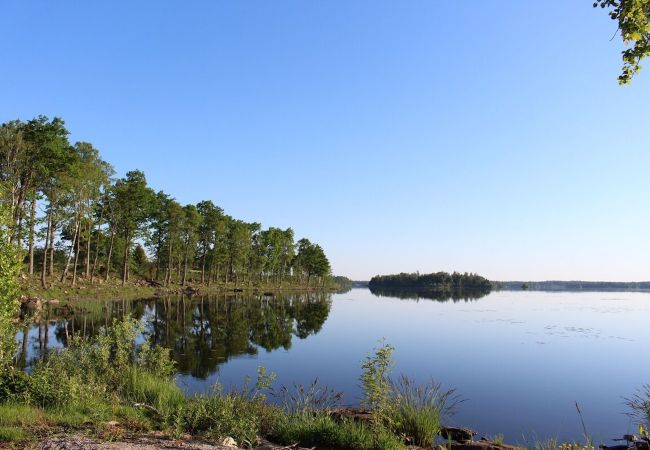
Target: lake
[520,359]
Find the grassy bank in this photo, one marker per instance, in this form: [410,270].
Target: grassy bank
[94,385]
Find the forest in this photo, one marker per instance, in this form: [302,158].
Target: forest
[454,284]
[74,219]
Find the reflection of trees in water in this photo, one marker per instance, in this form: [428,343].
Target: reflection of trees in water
[202,332]
[439,296]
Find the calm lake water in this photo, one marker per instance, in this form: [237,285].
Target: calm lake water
[520,359]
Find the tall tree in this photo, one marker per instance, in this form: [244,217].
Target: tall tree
[133,202]
[190,236]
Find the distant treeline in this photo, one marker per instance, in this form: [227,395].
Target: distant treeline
[555,285]
[343,284]
[74,219]
[439,282]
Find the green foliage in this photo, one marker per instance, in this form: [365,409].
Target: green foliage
[12,434]
[9,269]
[376,384]
[323,432]
[633,18]
[156,360]
[418,409]
[140,260]
[439,281]
[143,387]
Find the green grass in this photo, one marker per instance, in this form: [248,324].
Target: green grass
[13,434]
[12,414]
[417,410]
[324,432]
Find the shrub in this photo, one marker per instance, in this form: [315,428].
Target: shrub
[376,383]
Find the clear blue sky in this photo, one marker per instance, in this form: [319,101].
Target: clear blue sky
[400,135]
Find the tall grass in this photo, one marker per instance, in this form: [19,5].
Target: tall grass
[639,405]
[323,432]
[418,410]
[304,401]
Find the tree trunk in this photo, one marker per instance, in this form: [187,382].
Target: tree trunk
[45,248]
[110,253]
[184,270]
[99,232]
[203,269]
[125,260]
[75,236]
[51,270]
[32,226]
[168,274]
[90,232]
[76,257]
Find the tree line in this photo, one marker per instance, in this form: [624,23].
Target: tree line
[441,282]
[74,219]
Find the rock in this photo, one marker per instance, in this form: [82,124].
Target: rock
[457,434]
[53,302]
[355,414]
[481,445]
[229,442]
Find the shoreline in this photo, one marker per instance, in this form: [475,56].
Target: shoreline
[30,289]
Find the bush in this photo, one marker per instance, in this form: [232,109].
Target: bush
[376,383]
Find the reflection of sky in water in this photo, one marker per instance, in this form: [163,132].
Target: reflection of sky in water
[521,359]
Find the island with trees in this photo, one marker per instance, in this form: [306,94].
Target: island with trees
[438,285]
